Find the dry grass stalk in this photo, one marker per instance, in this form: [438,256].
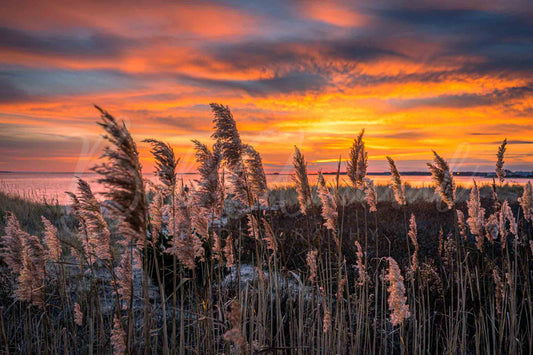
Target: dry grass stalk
[118,337]
[357,165]
[51,241]
[329,204]
[234,334]
[396,183]
[78,314]
[476,216]
[226,135]
[461,224]
[186,245]
[11,249]
[492,227]
[312,264]
[443,178]
[397,299]
[122,175]
[500,171]
[228,251]
[166,162]
[270,238]
[124,274]
[371,195]
[361,268]
[255,174]
[302,183]
[413,236]
[208,194]
[30,281]
[500,289]
[89,210]
[526,202]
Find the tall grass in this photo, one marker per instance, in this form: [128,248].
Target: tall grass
[225,266]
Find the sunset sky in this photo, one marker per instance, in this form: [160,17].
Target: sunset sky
[456,78]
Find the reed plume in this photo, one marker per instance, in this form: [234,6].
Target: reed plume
[413,236]
[526,202]
[124,274]
[118,337]
[500,290]
[371,195]
[492,227]
[78,314]
[327,319]
[500,171]
[51,241]
[166,162]
[507,213]
[97,232]
[476,216]
[270,238]
[122,175]
[311,263]
[357,165]
[228,251]
[186,245]
[208,194]
[302,183]
[234,334]
[442,176]
[11,244]
[361,268]
[329,204]
[396,183]
[255,173]
[461,224]
[156,213]
[31,278]
[226,135]
[397,299]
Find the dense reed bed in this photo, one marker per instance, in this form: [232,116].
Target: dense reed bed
[226,266]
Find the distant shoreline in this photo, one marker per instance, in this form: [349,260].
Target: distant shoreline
[510,174]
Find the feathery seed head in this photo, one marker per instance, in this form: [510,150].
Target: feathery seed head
[442,176]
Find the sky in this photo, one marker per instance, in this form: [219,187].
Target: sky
[453,76]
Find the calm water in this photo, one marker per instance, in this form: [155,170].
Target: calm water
[52,186]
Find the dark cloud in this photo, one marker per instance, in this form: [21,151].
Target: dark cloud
[316,56]
[9,92]
[495,97]
[513,141]
[85,43]
[291,82]
[25,83]
[504,40]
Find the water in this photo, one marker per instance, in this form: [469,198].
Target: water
[52,186]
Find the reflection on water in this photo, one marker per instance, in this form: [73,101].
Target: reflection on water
[52,186]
